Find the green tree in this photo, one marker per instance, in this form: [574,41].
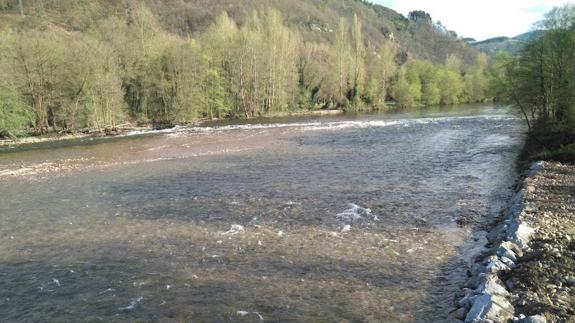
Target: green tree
[317,82]
[387,67]
[13,116]
[497,77]
[33,60]
[357,78]
[407,89]
[430,76]
[371,95]
[476,79]
[541,82]
[451,84]
[342,61]
[88,92]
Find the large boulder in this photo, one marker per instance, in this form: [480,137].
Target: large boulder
[490,308]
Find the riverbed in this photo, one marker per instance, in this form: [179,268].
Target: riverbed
[364,217]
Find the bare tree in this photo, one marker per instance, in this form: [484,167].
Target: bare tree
[21,6]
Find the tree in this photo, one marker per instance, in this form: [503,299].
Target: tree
[32,60]
[282,50]
[540,81]
[451,84]
[21,7]
[407,90]
[88,92]
[430,76]
[139,43]
[13,115]
[358,61]
[476,80]
[371,95]
[420,16]
[317,82]
[100,63]
[388,66]
[342,56]
[497,77]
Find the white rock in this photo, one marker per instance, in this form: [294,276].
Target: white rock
[535,319]
[246,313]
[504,251]
[492,286]
[508,262]
[468,300]
[535,168]
[489,308]
[522,235]
[494,265]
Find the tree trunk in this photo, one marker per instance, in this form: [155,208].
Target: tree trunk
[21,6]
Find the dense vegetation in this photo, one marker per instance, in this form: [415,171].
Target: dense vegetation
[541,83]
[70,65]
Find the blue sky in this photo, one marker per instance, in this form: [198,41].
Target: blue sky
[480,19]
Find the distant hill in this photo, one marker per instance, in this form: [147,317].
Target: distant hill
[512,45]
[469,40]
[315,19]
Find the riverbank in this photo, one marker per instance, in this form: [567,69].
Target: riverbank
[528,274]
[56,136]
[544,281]
[129,128]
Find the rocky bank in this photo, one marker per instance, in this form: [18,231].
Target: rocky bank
[528,272]
[543,283]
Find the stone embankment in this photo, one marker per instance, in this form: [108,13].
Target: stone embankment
[528,273]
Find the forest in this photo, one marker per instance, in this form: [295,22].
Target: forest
[540,82]
[127,68]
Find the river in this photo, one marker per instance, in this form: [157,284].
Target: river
[364,217]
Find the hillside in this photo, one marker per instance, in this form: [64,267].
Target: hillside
[315,19]
[512,45]
[79,65]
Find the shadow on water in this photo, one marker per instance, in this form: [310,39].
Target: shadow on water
[114,282]
[96,283]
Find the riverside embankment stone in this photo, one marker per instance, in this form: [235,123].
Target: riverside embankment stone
[528,275]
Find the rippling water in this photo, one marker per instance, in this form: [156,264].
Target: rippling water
[349,218]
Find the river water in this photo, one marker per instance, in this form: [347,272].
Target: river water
[345,218]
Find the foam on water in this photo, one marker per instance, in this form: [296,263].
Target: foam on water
[355,214]
[314,125]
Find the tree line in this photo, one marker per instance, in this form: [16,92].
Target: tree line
[129,69]
[540,81]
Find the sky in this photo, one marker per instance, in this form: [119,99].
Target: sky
[480,19]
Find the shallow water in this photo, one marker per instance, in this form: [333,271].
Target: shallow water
[349,218]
